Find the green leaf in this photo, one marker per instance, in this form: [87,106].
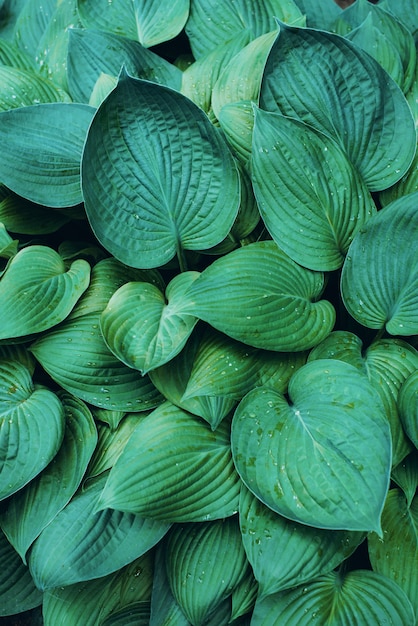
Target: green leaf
[37,285]
[408,406]
[237,122]
[92,53]
[244,596]
[31,509]
[77,358]
[326,81]
[8,246]
[20,88]
[148,21]
[406,11]
[174,468]
[395,554]
[310,197]
[332,431]
[164,607]
[44,146]
[319,15]
[409,182]
[405,475]
[256,282]
[32,23]
[143,328]
[31,427]
[24,217]
[204,564]
[81,544]
[134,615]
[17,589]
[285,554]
[378,292]
[335,599]
[11,54]
[172,184]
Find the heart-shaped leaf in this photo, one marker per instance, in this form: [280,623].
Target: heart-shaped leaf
[172,182]
[174,467]
[331,436]
[377,292]
[31,427]
[257,282]
[310,197]
[328,82]
[37,291]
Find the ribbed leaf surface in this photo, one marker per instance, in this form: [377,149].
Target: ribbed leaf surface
[408,406]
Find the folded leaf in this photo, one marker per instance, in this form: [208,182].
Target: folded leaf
[20,88]
[408,406]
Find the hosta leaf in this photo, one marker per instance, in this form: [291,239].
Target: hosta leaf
[174,468]
[257,282]
[44,146]
[32,23]
[244,596]
[93,52]
[134,615]
[285,554]
[204,563]
[406,11]
[408,406]
[148,21]
[335,599]
[38,286]
[319,15]
[172,184]
[20,88]
[164,607]
[11,54]
[378,292]
[8,246]
[406,475]
[309,458]
[33,507]
[328,82]
[237,122]
[91,601]
[81,544]
[109,417]
[31,427]
[17,352]
[395,555]
[407,184]
[310,197]
[17,589]
[77,358]
[24,217]
[143,328]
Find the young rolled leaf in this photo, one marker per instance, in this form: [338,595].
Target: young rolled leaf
[379,281]
[408,407]
[335,599]
[43,156]
[157,177]
[405,475]
[37,291]
[237,122]
[81,544]
[285,554]
[31,427]
[174,467]
[275,302]
[321,438]
[310,197]
[324,80]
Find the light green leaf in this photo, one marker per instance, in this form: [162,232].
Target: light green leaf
[237,122]
[77,358]
[310,197]
[32,23]
[378,292]
[109,417]
[31,427]
[82,544]
[11,54]
[92,53]
[205,562]
[395,555]
[44,146]
[326,81]
[406,11]
[336,599]
[257,282]
[143,328]
[148,21]
[20,88]
[174,468]
[17,589]
[31,509]
[24,217]
[285,554]
[405,475]
[332,431]
[172,184]
[102,88]
[408,406]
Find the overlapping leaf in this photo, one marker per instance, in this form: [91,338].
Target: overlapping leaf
[408,406]
[157,177]
[163,604]
[21,216]
[21,88]
[405,475]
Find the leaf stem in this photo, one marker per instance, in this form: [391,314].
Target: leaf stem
[181,257]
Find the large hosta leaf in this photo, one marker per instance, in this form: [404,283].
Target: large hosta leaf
[285,554]
[328,82]
[164,607]
[37,291]
[321,457]
[44,146]
[82,544]
[379,282]
[311,198]
[408,406]
[157,177]
[21,88]
[174,467]
[319,15]
[335,599]
[148,21]
[24,217]
[33,507]
[274,301]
